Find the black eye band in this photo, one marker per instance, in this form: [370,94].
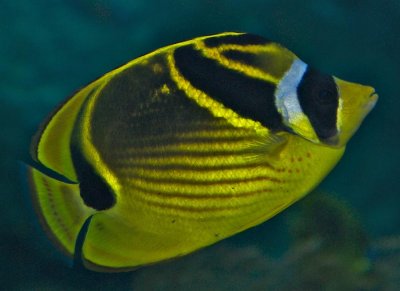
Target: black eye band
[319,99]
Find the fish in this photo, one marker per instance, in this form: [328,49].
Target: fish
[185,146]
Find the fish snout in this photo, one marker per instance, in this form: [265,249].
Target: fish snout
[372,99]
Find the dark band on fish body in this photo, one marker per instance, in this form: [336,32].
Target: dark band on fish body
[242,57]
[319,100]
[251,98]
[93,189]
[239,39]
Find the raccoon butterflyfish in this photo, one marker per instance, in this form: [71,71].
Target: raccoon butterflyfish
[188,145]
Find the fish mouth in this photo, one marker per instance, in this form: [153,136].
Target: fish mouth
[373,98]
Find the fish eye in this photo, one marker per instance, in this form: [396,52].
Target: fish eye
[325,97]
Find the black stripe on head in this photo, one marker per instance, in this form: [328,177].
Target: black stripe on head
[319,99]
[239,39]
[94,191]
[249,97]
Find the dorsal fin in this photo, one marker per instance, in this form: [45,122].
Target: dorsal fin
[51,145]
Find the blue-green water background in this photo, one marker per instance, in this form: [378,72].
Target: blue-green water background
[48,49]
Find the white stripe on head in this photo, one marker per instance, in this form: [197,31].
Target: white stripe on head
[287,102]
[286,99]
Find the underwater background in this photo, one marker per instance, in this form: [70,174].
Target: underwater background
[345,236]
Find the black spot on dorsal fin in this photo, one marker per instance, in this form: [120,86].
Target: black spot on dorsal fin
[239,39]
[94,191]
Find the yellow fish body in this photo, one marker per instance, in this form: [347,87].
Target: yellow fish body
[188,145]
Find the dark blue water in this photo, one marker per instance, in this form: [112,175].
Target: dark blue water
[49,49]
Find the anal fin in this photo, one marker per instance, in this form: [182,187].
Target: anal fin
[111,245]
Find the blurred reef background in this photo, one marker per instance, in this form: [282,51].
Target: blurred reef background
[345,236]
